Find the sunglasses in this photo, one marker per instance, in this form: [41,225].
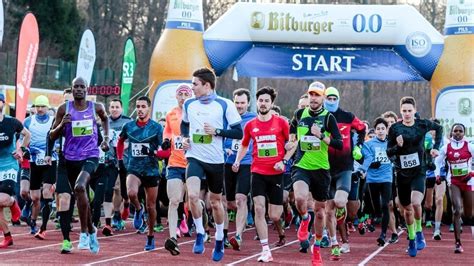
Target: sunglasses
[79,86]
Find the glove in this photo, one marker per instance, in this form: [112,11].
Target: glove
[357,153]
[375,165]
[147,151]
[356,176]
[166,144]
[26,153]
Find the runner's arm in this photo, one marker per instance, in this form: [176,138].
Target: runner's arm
[235,132]
[392,146]
[359,126]
[184,127]
[439,133]
[120,148]
[336,139]
[100,110]
[367,156]
[58,125]
[440,160]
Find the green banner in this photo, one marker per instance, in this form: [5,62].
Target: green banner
[128,69]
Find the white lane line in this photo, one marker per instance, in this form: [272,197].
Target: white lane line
[258,254]
[371,256]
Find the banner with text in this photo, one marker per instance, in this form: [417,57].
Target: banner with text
[86,57]
[28,44]
[128,69]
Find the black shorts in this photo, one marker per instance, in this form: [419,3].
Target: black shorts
[213,173]
[340,181]
[269,186]
[318,182]
[146,181]
[287,182]
[354,193]
[406,184]
[236,182]
[66,180]
[8,187]
[430,182]
[42,174]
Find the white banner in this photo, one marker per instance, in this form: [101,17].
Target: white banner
[86,57]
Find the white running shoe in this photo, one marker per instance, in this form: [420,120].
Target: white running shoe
[83,241]
[345,248]
[266,256]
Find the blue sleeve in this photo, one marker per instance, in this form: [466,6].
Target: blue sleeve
[27,123]
[368,156]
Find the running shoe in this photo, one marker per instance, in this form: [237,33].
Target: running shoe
[341,215]
[305,244]
[316,259]
[335,253]
[183,226]
[33,229]
[437,235]
[15,211]
[250,221]
[428,224]
[125,213]
[227,243]
[138,219]
[83,241]
[115,221]
[303,229]
[143,229]
[288,219]
[266,256]
[412,248]
[41,235]
[420,241]
[231,216]
[218,251]
[370,225]
[236,242]
[158,228]
[458,248]
[66,248]
[171,244]
[94,242]
[107,230]
[361,228]
[198,247]
[381,240]
[345,248]
[350,227]
[325,242]
[281,241]
[120,226]
[393,239]
[7,241]
[150,244]
[451,228]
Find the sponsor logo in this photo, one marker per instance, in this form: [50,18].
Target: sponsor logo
[418,44]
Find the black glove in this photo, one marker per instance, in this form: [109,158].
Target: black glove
[147,151]
[26,153]
[356,176]
[375,165]
[166,144]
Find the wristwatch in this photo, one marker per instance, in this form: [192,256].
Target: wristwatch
[285,161]
[322,137]
[218,132]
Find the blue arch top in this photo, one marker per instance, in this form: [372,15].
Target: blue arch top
[351,42]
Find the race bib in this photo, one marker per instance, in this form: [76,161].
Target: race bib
[82,128]
[137,149]
[409,160]
[459,169]
[381,156]
[200,137]
[178,143]
[8,175]
[266,150]
[310,143]
[101,156]
[236,144]
[39,160]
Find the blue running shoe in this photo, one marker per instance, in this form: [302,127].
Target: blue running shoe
[412,248]
[198,247]
[325,242]
[138,218]
[218,251]
[420,241]
[33,229]
[250,221]
[150,244]
[94,242]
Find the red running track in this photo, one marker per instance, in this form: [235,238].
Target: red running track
[126,248]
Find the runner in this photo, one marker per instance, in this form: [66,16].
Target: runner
[405,141]
[316,130]
[76,120]
[10,154]
[459,154]
[116,121]
[341,166]
[269,133]
[237,184]
[176,171]
[378,170]
[205,124]
[145,138]
[42,167]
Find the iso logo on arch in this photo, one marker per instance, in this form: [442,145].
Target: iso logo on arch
[418,44]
